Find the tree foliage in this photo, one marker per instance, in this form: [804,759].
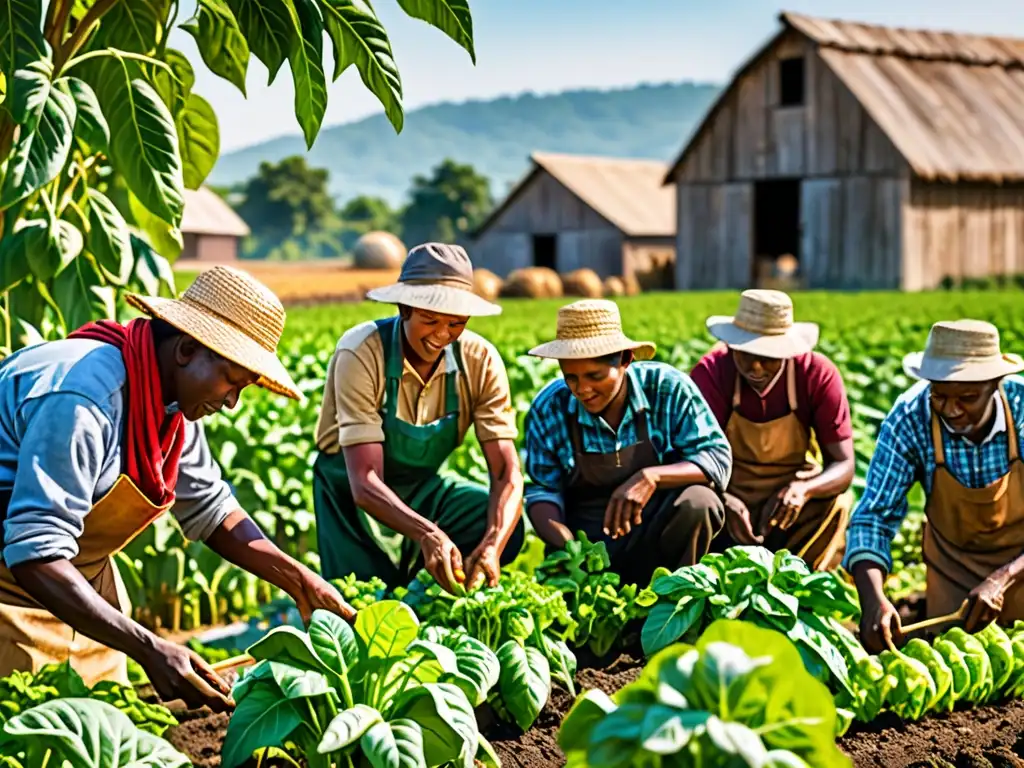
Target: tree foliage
[447,205]
[101,132]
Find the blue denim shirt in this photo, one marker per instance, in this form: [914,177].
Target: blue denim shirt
[61,429]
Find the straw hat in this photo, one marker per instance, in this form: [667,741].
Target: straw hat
[591,328]
[962,350]
[235,315]
[437,277]
[763,326]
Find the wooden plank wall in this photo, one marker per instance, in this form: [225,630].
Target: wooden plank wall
[596,249]
[963,230]
[502,252]
[713,243]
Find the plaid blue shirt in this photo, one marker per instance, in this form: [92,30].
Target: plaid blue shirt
[680,424]
[904,454]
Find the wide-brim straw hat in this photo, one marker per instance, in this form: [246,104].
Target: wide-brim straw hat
[236,316]
[588,329]
[437,277]
[763,325]
[962,351]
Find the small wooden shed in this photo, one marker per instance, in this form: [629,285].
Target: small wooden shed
[210,228]
[879,158]
[612,215]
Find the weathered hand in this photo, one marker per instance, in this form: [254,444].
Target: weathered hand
[985,602]
[788,506]
[441,556]
[737,521]
[177,672]
[484,564]
[879,625]
[316,593]
[626,506]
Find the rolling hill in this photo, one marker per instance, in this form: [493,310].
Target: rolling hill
[495,136]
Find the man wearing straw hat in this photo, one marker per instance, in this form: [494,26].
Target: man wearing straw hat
[627,452]
[400,396]
[957,431]
[99,436]
[775,397]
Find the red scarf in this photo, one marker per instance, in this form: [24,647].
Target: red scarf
[154,441]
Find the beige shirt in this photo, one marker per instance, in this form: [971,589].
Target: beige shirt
[354,391]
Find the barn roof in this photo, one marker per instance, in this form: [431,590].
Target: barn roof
[952,104]
[626,192]
[206,213]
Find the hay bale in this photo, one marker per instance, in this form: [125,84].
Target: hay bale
[584,283]
[378,250]
[632,285]
[614,287]
[532,283]
[486,284]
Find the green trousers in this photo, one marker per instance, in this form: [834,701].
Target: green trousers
[348,542]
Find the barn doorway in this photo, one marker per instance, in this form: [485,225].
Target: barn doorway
[545,251]
[776,233]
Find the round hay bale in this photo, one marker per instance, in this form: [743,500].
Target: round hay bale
[614,287]
[632,285]
[532,283]
[486,284]
[378,250]
[584,283]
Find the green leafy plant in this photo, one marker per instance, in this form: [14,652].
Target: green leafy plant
[778,591]
[378,692]
[360,594]
[82,733]
[524,622]
[739,697]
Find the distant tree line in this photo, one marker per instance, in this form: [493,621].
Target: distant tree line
[293,216]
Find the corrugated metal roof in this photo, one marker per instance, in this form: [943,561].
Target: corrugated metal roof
[951,103]
[626,192]
[206,213]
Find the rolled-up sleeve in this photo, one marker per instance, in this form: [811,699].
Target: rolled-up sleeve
[203,500]
[878,515]
[58,470]
[695,433]
[543,468]
[357,396]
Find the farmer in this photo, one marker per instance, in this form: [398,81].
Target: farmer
[400,395]
[770,391]
[99,436]
[627,452]
[957,432]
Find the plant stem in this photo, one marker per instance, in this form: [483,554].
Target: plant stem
[57,21]
[82,30]
[118,54]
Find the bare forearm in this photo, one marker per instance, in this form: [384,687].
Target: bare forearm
[62,590]
[374,496]
[676,475]
[869,577]
[240,541]
[834,479]
[549,523]
[505,505]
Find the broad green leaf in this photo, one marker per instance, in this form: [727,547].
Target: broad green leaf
[269,28]
[152,270]
[287,645]
[306,60]
[220,41]
[143,142]
[164,238]
[386,628]
[293,683]
[446,718]
[668,621]
[397,744]
[477,667]
[175,86]
[21,35]
[48,117]
[348,727]
[109,238]
[90,124]
[667,730]
[135,26]
[334,642]
[359,38]
[736,739]
[87,733]
[524,682]
[51,246]
[398,676]
[199,140]
[589,709]
[29,235]
[81,295]
[29,90]
[264,718]
[450,16]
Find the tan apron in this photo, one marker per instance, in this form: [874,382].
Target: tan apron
[766,458]
[31,637]
[971,532]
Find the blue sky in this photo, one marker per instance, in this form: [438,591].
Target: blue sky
[546,46]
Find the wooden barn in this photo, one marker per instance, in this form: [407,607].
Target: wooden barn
[210,228]
[569,212]
[878,158]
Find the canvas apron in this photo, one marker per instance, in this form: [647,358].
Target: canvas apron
[971,532]
[413,456]
[766,458]
[31,637]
